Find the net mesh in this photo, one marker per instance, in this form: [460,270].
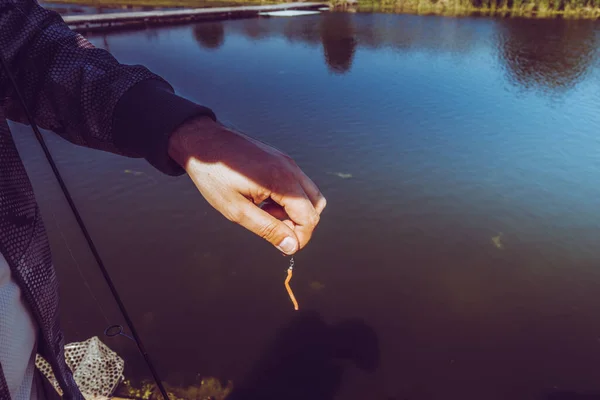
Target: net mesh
[96,368]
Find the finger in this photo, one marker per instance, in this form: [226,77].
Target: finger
[278,212]
[299,209]
[261,223]
[289,223]
[312,191]
[275,210]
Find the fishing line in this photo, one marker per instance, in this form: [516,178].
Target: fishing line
[78,267]
[88,238]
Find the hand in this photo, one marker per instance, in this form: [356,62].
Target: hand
[236,174]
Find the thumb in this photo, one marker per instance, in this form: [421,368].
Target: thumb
[263,224]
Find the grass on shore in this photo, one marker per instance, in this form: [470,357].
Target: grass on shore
[500,8]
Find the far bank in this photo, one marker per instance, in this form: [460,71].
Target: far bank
[589,9]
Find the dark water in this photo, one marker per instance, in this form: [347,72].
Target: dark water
[458,257]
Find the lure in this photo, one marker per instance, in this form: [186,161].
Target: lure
[287,284]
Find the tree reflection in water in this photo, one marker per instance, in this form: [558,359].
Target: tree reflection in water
[549,55]
[339,43]
[210,35]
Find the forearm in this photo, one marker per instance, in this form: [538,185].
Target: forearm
[83,93]
[146,117]
[69,86]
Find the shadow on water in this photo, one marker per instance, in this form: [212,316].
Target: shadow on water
[307,359]
[547,54]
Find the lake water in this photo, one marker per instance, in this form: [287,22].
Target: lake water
[458,257]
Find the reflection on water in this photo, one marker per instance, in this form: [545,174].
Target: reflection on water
[548,54]
[339,42]
[335,31]
[307,31]
[461,232]
[210,35]
[256,28]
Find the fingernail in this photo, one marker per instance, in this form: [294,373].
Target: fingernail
[287,245]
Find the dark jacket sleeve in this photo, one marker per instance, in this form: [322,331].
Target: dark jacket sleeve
[83,93]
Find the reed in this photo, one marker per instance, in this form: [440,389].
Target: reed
[504,8]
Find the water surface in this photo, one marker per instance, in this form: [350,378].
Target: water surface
[458,256]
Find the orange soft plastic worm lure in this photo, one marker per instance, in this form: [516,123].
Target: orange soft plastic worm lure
[287,284]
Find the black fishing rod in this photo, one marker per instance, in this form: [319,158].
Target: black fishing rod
[88,238]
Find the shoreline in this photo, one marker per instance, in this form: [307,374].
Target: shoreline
[534,9]
[130,19]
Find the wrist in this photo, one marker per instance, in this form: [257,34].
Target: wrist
[184,142]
